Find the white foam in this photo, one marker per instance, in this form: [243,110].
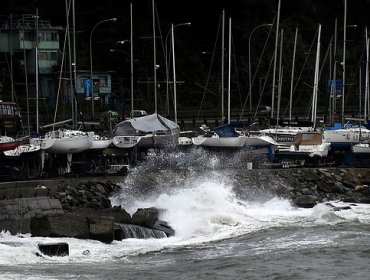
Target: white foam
[200,209]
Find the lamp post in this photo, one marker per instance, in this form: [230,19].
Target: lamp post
[91,64]
[166,58]
[249,63]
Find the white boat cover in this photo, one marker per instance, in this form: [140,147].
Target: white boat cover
[144,125]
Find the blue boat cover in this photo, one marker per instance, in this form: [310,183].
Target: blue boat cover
[225,130]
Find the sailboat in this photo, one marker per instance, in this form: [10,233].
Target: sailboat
[224,136]
[362,149]
[65,141]
[308,144]
[305,145]
[350,136]
[146,131]
[151,131]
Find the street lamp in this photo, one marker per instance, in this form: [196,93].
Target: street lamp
[122,51]
[167,72]
[91,67]
[249,63]
[122,42]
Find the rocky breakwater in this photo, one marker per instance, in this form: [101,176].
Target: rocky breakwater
[306,187]
[81,210]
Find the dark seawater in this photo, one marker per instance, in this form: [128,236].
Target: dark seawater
[220,234]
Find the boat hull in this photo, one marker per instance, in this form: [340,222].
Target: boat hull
[126,142]
[8,146]
[23,150]
[101,143]
[69,142]
[220,142]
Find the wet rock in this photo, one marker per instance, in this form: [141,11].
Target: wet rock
[118,214]
[338,208]
[16,214]
[101,228]
[363,189]
[118,232]
[60,225]
[135,231]
[305,201]
[74,225]
[54,249]
[145,217]
[163,226]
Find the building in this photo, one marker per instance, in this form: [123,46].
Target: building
[26,40]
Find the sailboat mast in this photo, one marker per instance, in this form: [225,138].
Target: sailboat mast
[275,61]
[174,73]
[74,64]
[360,96]
[280,81]
[344,58]
[229,79]
[69,60]
[334,81]
[366,78]
[131,60]
[222,65]
[154,60]
[292,76]
[316,79]
[37,70]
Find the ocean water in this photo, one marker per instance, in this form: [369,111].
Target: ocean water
[220,233]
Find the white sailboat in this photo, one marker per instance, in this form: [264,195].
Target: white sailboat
[286,135]
[65,141]
[362,149]
[224,136]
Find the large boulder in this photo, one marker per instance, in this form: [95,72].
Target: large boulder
[119,214]
[101,228]
[16,214]
[305,201]
[149,217]
[60,225]
[54,249]
[145,217]
[73,225]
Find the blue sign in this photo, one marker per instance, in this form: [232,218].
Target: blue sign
[88,87]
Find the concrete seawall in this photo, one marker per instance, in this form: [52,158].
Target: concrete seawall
[37,188]
[16,214]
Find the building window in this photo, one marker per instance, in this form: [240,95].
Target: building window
[24,36]
[42,55]
[103,81]
[47,56]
